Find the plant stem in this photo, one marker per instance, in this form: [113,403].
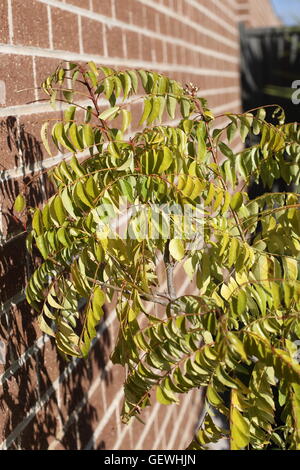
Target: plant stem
[170,272]
[144,296]
[215,158]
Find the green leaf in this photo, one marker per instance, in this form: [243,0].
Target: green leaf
[109,113]
[201,151]
[185,107]
[37,224]
[155,110]
[236,201]
[134,80]
[226,150]
[165,397]
[76,167]
[176,248]
[126,119]
[171,106]
[69,113]
[60,136]
[224,378]
[20,203]
[165,159]
[239,431]
[44,137]
[237,345]
[93,68]
[108,84]
[88,135]
[290,266]
[126,84]
[59,210]
[146,111]
[45,328]
[245,127]
[63,237]
[231,131]
[82,194]
[68,95]
[42,245]
[233,252]
[241,302]
[210,194]
[75,136]
[99,298]
[226,204]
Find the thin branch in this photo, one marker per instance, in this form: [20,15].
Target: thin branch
[60,101]
[103,126]
[215,158]
[144,296]
[170,272]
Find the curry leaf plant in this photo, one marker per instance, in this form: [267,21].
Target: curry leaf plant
[236,334]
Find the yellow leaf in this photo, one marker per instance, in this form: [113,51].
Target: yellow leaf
[20,203]
[236,201]
[176,248]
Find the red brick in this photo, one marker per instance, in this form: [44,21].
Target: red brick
[158,50]
[80,3]
[147,46]
[30,23]
[162,22]
[133,39]
[92,35]
[114,42]
[108,436]
[127,442]
[103,7]
[149,18]
[116,379]
[17,74]
[123,10]
[136,9]
[4,23]
[65,30]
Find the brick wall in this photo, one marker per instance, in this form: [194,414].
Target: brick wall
[257,13]
[45,402]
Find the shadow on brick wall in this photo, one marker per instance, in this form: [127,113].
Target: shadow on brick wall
[43,398]
[21,150]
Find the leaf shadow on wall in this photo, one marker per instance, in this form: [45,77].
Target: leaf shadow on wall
[44,400]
